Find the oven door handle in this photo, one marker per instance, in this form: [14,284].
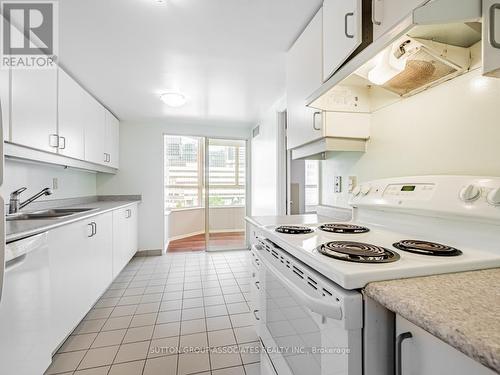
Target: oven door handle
[324,307]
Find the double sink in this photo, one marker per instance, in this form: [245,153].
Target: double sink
[53,213]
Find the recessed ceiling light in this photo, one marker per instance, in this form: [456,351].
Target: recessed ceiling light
[173,98]
[160,2]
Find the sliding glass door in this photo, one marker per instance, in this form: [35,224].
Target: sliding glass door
[205,193]
[225,199]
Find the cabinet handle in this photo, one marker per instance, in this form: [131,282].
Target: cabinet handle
[257,284]
[255,314]
[62,145]
[54,140]
[347,15]
[109,158]
[128,214]
[91,225]
[315,114]
[375,22]
[95,227]
[399,342]
[494,43]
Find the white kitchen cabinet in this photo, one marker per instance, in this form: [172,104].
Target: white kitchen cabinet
[100,248]
[491,38]
[70,266]
[347,29]
[424,354]
[112,140]
[387,13]
[5,102]
[95,130]
[80,271]
[124,237]
[34,108]
[304,75]
[71,117]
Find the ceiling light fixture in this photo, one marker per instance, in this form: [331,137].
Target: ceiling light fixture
[173,99]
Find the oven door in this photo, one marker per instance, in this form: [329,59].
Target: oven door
[303,324]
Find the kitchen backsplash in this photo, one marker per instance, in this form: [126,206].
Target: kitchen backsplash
[70,183]
[450,129]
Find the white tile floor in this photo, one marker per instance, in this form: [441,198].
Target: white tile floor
[179,314]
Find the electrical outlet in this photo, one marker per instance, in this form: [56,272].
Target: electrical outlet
[337,184]
[55,183]
[353,181]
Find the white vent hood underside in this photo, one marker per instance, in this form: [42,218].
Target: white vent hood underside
[448,36]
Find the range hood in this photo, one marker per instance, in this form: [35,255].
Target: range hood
[436,42]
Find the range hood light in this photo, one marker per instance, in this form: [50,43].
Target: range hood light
[387,67]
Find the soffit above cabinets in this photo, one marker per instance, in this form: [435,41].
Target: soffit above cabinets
[434,43]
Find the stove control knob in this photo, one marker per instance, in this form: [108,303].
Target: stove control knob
[470,193]
[494,197]
[356,191]
[365,189]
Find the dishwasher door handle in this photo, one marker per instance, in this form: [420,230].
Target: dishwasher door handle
[322,306]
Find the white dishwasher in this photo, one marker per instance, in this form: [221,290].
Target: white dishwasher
[25,308]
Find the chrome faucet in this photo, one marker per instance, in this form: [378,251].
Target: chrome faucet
[15,203]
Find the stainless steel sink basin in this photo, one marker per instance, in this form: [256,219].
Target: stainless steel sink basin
[47,214]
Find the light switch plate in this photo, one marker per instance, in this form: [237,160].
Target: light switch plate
[55,183]
[337,184]
[353,181]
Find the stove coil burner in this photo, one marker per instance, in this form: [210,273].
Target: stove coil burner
[427,248]
[293,229]
[358,252]
[343,228]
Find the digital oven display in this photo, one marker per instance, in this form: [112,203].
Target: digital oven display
[408,188]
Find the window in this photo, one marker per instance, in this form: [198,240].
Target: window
[311,184]
[185,169]
[183,172]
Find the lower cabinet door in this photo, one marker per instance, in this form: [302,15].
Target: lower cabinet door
[424,354]
[70,265]
[101,253]
[120,240]
[133,228]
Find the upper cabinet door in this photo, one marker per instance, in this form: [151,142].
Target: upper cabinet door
[34,109]
[342,32]
[491,38]
[95,130]
[387,13]
[112,140]
[304,75]
[71,117]
[5,103]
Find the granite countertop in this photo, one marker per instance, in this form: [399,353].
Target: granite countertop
[462,309]
[18,229]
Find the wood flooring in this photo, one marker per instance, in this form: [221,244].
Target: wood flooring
[229,240]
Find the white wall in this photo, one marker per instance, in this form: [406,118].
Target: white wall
[141,169]
[265,163]
[183,223]
[71,182]
[453,128]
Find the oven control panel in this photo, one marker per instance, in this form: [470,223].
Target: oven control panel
[465,196]
[422,192]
